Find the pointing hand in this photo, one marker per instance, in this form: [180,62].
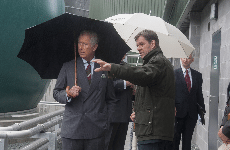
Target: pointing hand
[104,66]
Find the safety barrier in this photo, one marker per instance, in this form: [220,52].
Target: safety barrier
[46,139]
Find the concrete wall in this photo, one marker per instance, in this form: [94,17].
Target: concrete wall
[203,57]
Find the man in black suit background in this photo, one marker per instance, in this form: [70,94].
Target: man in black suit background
[224,131]
[121,116]
[188,96]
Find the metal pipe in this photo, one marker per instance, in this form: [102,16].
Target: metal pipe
[20,126]
[36,144]
[44,147]
[27,133]
[41,143]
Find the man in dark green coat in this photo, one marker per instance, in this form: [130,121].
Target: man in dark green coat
[155,96]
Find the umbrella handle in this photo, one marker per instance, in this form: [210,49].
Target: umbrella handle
[75,50]
[67,88]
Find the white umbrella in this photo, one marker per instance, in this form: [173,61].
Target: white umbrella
[171,40]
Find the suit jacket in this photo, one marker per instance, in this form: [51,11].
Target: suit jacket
[87,115]
[226,122]
[123,108]
[228,95]
[186,102]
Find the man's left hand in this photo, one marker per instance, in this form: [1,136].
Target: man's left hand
[224,138]
[129,84]
[132,117]
[104,66]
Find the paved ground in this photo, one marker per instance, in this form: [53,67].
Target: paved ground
[129,142]
[129,136]
[19,143]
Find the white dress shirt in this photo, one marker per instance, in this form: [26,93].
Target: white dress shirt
[91,63]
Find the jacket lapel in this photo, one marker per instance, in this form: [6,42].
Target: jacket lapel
[95,80]
[81,76]
[193,73]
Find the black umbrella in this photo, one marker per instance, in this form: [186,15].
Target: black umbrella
[50,44]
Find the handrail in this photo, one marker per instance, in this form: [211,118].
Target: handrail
[20,126]
[36,144]
[25,133]
[40,142]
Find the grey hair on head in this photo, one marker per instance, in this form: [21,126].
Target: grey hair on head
[93,36]
[149,35]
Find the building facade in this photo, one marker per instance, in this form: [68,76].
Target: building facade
[208,29]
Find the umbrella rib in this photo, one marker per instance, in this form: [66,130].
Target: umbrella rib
[182,48]
[133,32]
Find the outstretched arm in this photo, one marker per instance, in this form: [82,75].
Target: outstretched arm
[139,75]
[104,66]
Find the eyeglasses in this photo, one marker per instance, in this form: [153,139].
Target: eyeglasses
[83,44]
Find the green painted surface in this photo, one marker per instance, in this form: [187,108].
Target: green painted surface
[133,60]
[102,9]
[20,86]
[174,10]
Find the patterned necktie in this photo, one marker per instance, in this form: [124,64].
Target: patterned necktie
[188,81]
[88,72]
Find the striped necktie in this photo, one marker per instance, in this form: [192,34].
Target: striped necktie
[88,72]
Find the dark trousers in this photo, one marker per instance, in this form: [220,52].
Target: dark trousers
[83,144]
[117,136]
[155,145]
[184,126]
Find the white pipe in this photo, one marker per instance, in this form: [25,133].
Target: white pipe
[20,126]
[30,132]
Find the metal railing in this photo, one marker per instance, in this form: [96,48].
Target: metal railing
[48,138]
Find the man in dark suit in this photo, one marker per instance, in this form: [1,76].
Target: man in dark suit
[188,95]
[224,131]
[88,105]
[121,117]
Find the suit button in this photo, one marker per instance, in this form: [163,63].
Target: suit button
[149,122]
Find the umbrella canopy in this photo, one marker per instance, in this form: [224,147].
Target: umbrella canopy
[48,45]
[171,40]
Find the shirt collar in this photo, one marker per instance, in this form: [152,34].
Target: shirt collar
[184,70]
[84,61]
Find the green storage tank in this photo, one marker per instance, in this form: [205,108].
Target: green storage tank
[21,88]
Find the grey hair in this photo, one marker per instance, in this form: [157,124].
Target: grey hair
[149,35]
[93,36]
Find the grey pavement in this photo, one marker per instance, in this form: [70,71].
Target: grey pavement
[129,136]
